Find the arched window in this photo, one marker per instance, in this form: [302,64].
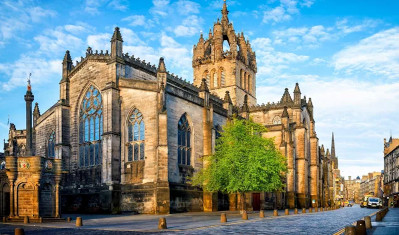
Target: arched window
[184,141]
[206,76]
[249,84]
[241,78]
[136,136]
[245,81]
[90,128]
[51,145]
[215,79]
[222,77]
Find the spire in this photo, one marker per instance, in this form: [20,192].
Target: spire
[332,146]
[322,149]
[161,66]
[28,100]
[297,95]
[204,86]
[116,43]
[328,152]
[36,110]
[225,12]
[286,97]
[66,66]
[117,35]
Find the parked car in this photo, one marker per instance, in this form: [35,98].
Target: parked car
[374,202]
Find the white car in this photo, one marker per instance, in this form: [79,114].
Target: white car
[374,202]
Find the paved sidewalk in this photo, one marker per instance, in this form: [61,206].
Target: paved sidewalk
[389,224]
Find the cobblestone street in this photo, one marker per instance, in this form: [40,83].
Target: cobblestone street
[327,222]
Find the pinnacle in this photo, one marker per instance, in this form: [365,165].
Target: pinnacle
[117,35]
[204,86]
[161,65]
[297,90]
[67,57]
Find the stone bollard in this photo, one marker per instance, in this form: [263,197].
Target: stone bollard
[350,230]
[321,208]
[41,220]
[4,219]
[303,210]
[367,220]
[19,231]
[262,214]
[68,219]
[316,209]
[26,220]
[295,211]
[360,227]
[79,222]
[378,217]
[162,223]
[287,212]
[244,215]
[310,210]
[223,218]
[275,213]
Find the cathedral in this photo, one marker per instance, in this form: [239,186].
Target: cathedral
[126,135]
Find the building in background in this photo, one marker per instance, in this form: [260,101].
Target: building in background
[391,172]
[352,190]
[371,184]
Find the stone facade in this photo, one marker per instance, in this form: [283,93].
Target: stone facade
[391,171]
[125,135]
[352,190]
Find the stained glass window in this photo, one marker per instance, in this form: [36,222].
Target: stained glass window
[184,141]
[136,137]
[90,128]
[51,145]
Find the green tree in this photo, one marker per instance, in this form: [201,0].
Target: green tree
[243,161]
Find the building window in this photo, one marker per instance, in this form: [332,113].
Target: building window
[90,128]
[207,77]
[51,145]
[184,141]
[249,84]
[222,78]
[136,136]
[241,78]
[276,120]
[215,79]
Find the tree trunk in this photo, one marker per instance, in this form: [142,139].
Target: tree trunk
[243,204]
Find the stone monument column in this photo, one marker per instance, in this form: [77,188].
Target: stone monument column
[29,99]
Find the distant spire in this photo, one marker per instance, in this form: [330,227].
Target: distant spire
[332,146]
[204,86]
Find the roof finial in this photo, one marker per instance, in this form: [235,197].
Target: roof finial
[225,12]
[29,87]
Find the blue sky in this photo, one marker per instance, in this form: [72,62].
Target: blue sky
[344,54]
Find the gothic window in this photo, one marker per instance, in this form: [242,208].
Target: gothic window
[241,78]
[215,79]
[51,145]
[249,84]
[136,136]
[245,81]
[90,128]
[222,77]
[276,120]
[206,76]
[184,141]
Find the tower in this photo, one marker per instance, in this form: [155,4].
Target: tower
[334,158]
[29,99]
[116,44]
[227,62]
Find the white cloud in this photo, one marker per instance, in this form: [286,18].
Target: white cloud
[284,10]
[189,27]
[136,20]
[130,37]
[344,28]
[185,7]
[120,5]
[42,70]
[160,8]
[377,54]
[56,40]
[99,41]
[37,13]
[304,36]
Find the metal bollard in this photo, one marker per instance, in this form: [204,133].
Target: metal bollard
[275,213]
[79,222]
[287,212]
[367,220]
[262,214]
[295,211]
[26,220]
[350,230]
[360,228]
[223,218]
[19,231]
[244,215]
[162,223]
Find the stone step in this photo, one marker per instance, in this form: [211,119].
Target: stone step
[35,220]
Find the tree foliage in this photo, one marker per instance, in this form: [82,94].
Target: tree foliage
[243,161]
